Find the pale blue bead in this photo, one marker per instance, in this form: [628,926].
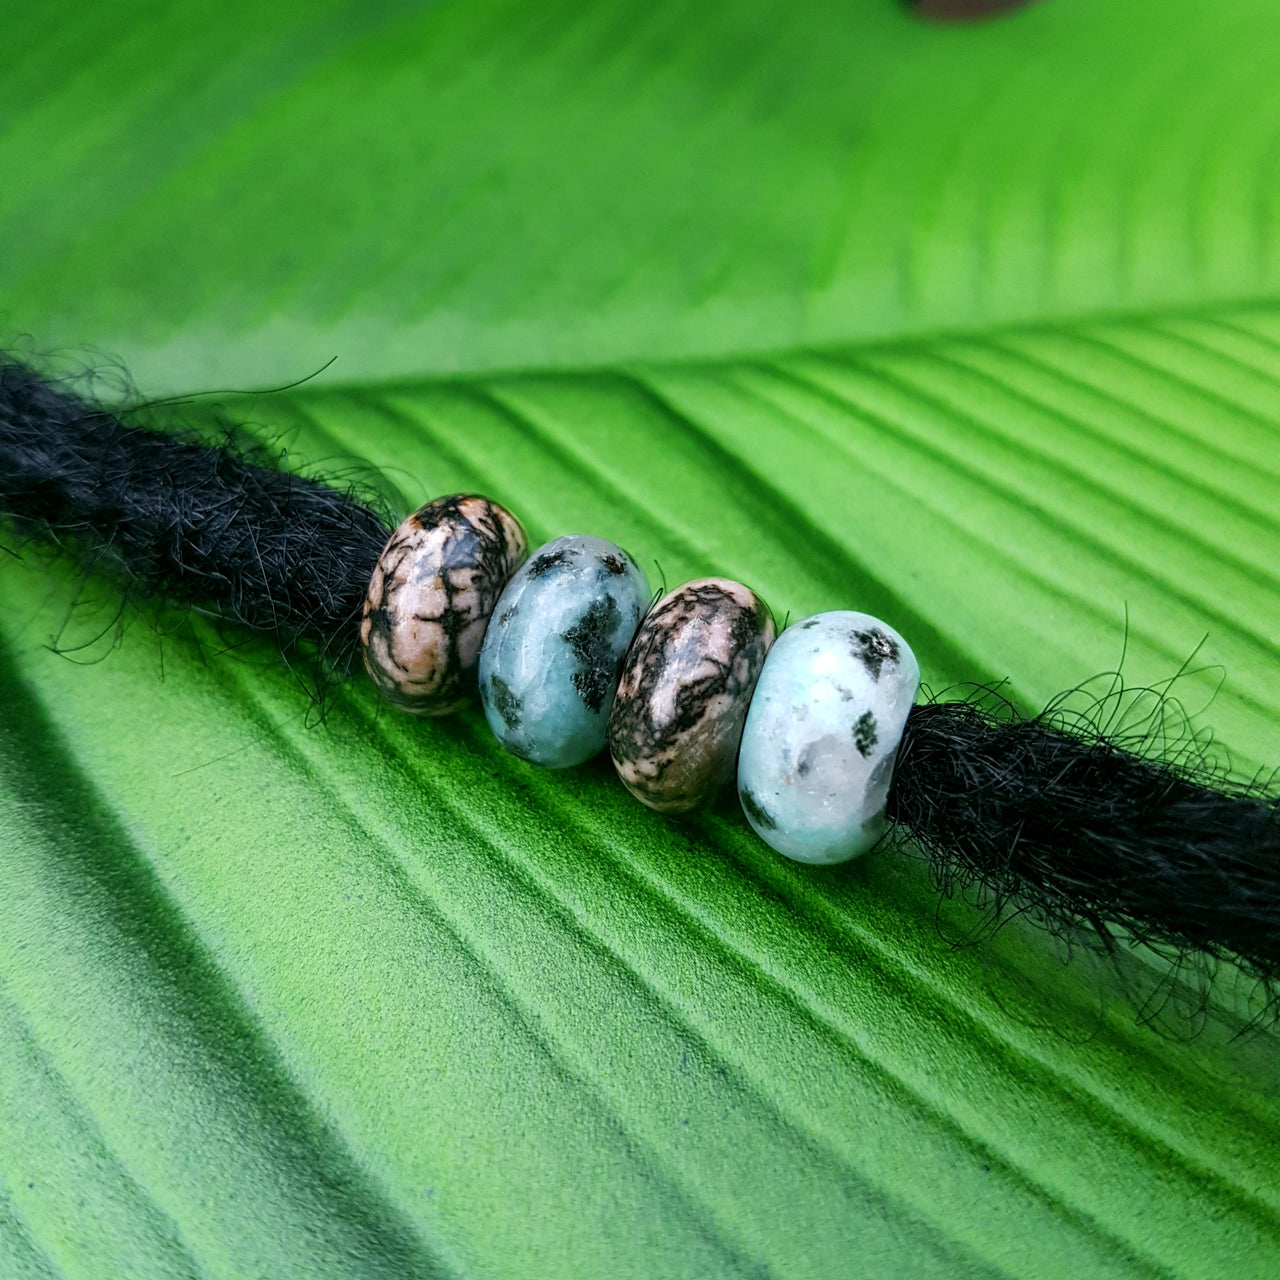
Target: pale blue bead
[822,735]
[556,640]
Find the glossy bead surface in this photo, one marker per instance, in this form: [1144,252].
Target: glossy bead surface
[550,660]
[684,692]
[430,599]
[822,735]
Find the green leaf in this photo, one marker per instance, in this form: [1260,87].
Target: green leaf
[977,329]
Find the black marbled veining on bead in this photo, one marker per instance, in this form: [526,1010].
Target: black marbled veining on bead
[873,649]
[476,544]
[865,734]
[591,639]
[614,564]
[679,763]
[377,620]
[756,811]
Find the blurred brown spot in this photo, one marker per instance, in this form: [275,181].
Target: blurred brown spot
[963,10]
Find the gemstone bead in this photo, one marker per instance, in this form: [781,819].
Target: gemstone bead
[822,735]
[430,598]
[685,687]
[550,660]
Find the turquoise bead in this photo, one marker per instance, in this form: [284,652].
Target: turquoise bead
[550,661]
[822,735]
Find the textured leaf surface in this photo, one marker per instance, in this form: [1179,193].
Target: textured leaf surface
[975,329]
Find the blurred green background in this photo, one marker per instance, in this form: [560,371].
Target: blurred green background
[976,328]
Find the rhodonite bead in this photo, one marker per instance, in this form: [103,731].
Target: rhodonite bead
[430,598]
[550,659]
[822,736]
[685,687]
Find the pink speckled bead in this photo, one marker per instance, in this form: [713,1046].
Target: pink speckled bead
[685,688]
[430,598]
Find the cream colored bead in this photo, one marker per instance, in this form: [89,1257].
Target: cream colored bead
[430,598]
[683,696]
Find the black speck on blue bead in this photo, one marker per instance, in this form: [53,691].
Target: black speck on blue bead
[591,639]
[865,734]
[756,811]
[873,649]
[505,702]
[549,560]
